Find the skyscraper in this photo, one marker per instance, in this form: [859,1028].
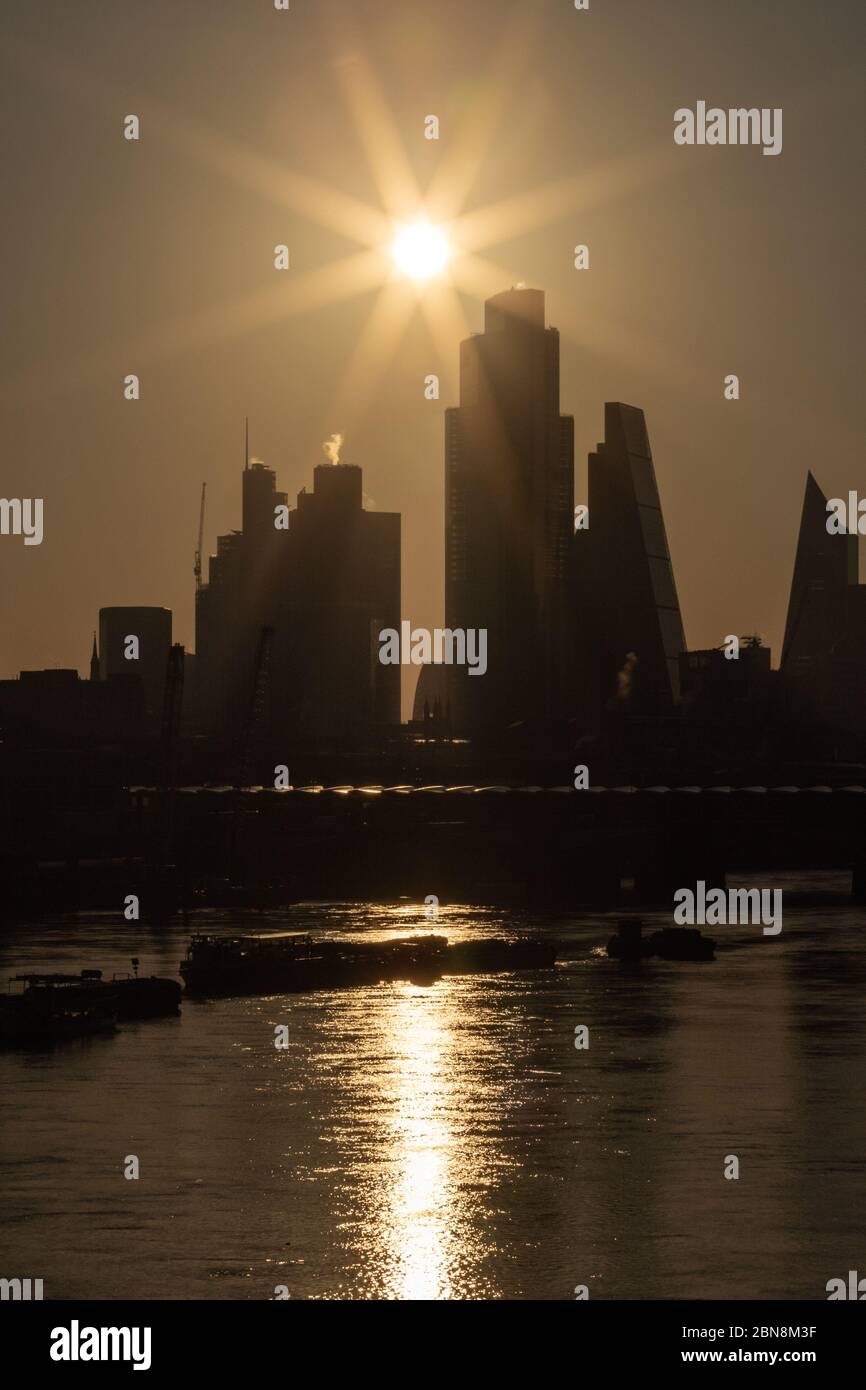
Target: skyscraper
[629,622]
[826,564]
[341,588]
[824,654]
[221,679]
[509,500]
[325,585]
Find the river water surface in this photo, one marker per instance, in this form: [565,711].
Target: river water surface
[451,1141]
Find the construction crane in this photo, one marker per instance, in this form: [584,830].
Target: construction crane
[197,566]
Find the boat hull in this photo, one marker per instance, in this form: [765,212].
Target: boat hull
[335,965]
[22,1022]
[670,943]
[130,997]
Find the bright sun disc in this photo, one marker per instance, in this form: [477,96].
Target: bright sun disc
[421,250]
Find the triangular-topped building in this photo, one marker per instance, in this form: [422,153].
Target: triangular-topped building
[627,598]
[824,655]
[825,566]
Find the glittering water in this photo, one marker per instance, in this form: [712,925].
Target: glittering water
[451,1142]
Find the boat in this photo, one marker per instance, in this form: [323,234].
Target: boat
[681,943]
[41,1019]
[291,962]
[499,953]
[128,996]
[669,943]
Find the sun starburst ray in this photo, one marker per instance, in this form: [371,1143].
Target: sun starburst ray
[525,212]
[373,352]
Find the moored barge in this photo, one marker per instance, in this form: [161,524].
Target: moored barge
[294,962]
[127,996]
[40,1019]
[289,962]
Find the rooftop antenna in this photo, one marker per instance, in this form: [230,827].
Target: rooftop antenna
[246,442]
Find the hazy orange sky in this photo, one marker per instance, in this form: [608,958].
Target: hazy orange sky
[124,257]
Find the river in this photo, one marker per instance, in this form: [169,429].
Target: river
[451,1141]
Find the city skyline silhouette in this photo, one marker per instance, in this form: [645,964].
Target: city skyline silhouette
[432,672]
[169,273]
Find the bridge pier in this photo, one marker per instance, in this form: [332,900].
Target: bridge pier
[671,860]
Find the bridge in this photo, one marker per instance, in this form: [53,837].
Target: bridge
[598,845]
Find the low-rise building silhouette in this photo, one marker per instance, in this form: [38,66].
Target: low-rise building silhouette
[136,642]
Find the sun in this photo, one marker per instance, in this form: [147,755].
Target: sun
[421,250]
[444,251]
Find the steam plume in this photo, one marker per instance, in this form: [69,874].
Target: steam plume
[331,448]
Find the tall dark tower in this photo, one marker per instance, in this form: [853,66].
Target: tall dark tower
[340,589]
[325,585]
[627,598]
[509,506]
[825,566]
[824,656]
[260,497]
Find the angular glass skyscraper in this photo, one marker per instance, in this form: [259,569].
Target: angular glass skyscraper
[628,610]
[825,567]
[824,653]
[509,499]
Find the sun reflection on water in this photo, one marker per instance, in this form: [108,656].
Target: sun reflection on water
[421,1090]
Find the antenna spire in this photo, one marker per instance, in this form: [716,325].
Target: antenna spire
[246,442]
